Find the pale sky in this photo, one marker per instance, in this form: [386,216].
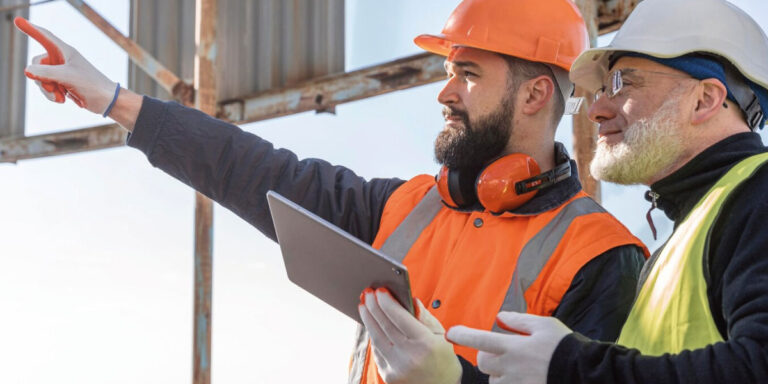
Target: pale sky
[96,284]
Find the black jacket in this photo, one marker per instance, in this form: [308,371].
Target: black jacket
[737,286]
[236,169]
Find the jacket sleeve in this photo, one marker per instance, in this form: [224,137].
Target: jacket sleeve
[742,267]
[236,169]
[597,303]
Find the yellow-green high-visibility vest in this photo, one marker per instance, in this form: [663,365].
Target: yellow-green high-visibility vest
[671,312]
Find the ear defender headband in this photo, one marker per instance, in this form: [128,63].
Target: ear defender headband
[503,185]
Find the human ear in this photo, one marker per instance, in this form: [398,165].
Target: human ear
[711,95]
[538,92]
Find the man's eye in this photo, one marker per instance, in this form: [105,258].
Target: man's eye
[467,74]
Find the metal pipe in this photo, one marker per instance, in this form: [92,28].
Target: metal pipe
[327,92]
[61,143]
[11,8]
[180,90]
[206,13]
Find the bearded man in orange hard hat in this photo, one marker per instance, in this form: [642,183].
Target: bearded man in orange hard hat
[504,225]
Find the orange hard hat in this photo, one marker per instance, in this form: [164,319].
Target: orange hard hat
[545,31]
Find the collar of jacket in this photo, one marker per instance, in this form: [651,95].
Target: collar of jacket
[680,191]
[548,198]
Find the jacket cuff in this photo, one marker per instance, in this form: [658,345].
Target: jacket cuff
[566,351]
[148,125]
[470,374]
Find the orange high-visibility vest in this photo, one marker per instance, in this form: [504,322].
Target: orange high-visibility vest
[467,266]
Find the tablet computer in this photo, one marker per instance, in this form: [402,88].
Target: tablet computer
[330,263]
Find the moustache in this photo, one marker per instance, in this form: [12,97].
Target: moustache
[454,112]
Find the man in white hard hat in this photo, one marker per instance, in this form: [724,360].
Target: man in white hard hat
[678,101]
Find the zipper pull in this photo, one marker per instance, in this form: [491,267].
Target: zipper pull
[654,196]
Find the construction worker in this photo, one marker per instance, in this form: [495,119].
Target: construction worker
[680,93]
[504,226]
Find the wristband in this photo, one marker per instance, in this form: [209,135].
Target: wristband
[112,104]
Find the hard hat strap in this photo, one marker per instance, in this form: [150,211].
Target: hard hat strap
[745,97]
[566,88]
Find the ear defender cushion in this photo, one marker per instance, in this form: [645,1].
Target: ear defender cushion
[496,183]
[456,188]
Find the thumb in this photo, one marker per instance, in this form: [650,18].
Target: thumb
[430,321]
[46,73]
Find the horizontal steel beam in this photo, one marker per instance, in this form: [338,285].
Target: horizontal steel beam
[324,93]
[60,143]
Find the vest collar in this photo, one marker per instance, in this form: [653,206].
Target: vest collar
[679,192]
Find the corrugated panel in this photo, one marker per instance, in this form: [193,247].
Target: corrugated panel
[262,44]
[13,59]
[166,29]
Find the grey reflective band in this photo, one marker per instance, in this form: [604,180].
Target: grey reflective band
[536,253]
[405,235]
[358,359]
[396,247]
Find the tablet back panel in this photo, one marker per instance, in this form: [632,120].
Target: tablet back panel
[330,263]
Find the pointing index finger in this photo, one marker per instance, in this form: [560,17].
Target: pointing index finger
[487,341]
[55,57]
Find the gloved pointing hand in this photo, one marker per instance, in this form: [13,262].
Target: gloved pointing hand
[83,83]
[407,349]
[514,358]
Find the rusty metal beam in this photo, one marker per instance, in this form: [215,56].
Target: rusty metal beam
[206,15]
[319,94]
[322,94]
[180,90]
[23,5]
[61,143]
[325,93]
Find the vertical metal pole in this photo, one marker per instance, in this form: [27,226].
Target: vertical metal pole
[205,100]
[13,44]
[584,130]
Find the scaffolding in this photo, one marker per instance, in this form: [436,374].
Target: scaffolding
[320,94]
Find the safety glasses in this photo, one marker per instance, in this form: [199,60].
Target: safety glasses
[619,78]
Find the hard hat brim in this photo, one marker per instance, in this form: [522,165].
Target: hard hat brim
[590,68]
[437,44]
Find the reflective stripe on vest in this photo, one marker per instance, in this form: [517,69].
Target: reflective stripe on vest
[535,254]
[532,259]
[402,239]
[671,312]
[396,247]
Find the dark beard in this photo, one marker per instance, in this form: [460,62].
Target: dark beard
[469,147]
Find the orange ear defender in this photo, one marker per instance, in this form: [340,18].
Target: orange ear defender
[503,185]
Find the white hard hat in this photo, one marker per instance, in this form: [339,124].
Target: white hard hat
[673,28]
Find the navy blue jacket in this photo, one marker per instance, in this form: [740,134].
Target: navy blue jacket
[737,286]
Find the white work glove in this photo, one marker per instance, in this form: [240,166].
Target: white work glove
[407,350]
[85,85]
[514,358]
